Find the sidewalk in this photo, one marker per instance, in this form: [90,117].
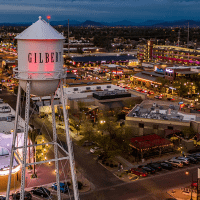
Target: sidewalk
[127,165]
[182,193]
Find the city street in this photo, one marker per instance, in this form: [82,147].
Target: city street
[153,187]
[106,186]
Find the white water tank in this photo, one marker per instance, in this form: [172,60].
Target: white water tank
[40,58]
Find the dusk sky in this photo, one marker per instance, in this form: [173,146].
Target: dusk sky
[99,10]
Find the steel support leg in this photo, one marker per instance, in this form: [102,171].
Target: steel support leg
[13,142]
[69,144]
[55,147]
[25,140]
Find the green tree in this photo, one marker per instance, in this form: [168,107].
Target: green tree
[182,87]
[123,138]
[88,130]
[164,82]
[130,102]
[188,132]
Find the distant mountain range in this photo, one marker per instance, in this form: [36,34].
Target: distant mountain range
[155,23]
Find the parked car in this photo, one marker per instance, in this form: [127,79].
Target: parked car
[27,195]
[194,156]
[194,184]
[139,172]
[148,169]
[2,197]
[192,160]
[94,149]
[41,191]
[184,160]
[170,99]
[88,143]
[138,89]
[144,91]
[158,97]
[63,187]
[166,165]
[197,154]
[156,166]
[150,92]
[175,163]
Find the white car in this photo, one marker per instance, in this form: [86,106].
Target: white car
[175,162]
[184,160]
[94,149]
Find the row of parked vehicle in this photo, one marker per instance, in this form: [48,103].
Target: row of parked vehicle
[153,167]
[40,191]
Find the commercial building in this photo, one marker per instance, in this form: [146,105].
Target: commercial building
[169,54]
[151,117]
[97,60]
[7,119]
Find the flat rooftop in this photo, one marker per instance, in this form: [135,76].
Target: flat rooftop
[111,94]
[158,111]
[103,58]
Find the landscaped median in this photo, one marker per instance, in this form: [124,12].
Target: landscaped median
[124,175]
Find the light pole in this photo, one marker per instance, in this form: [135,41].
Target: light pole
[187,173]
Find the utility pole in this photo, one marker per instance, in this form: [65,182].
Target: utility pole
[188,36]
[68,37]
[178,38]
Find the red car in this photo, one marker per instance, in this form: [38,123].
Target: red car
[139,172]
[170,99]
[150,92]
[194,184]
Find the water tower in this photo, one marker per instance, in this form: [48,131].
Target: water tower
[40,72]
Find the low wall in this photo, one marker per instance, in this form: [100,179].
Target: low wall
[15,181]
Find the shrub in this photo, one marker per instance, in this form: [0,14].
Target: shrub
[42,115]
[33,175]
[107,164]
[111,165]
[115,165]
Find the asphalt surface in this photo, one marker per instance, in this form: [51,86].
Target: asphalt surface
[153,187]
[92,170]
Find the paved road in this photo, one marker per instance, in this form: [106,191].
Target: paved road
[153,187]
[108,187]
[92,170]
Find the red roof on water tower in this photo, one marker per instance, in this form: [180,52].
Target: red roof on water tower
[40,30]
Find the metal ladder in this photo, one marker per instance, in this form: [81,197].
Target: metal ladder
[55,148]
[25,140]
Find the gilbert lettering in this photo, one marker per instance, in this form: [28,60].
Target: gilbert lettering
[50,57]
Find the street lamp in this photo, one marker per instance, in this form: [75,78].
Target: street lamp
[187,173]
